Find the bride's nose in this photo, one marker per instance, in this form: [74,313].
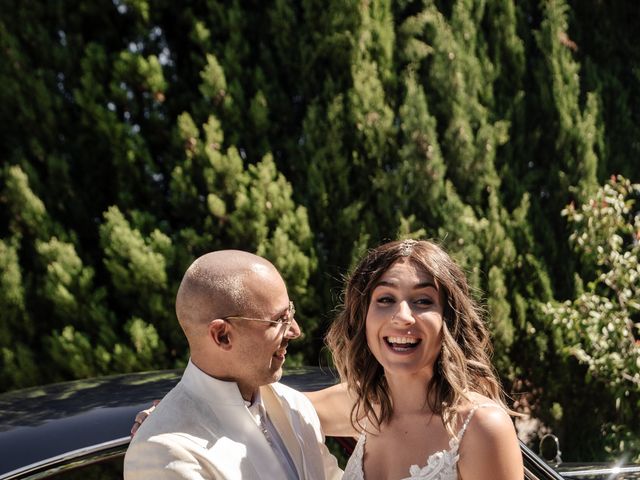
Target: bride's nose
[403,315]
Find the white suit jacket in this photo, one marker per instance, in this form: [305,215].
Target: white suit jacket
[202,430]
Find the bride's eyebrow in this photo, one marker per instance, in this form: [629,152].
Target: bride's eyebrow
[418,286]
[426,284]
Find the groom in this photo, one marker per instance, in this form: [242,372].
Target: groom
[228,418]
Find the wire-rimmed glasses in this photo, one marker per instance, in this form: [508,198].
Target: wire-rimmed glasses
[286,319]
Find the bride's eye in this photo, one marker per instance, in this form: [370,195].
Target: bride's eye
[385,300]
[424,302]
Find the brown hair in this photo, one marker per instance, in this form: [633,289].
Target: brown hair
[464,361]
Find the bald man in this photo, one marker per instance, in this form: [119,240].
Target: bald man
[228,418]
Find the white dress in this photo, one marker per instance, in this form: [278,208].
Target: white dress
[442,465]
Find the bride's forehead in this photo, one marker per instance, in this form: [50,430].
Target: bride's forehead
[405,270]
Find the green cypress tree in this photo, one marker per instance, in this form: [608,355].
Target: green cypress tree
[127,119]
[139,135]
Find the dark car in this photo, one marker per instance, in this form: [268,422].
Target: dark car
[80,429]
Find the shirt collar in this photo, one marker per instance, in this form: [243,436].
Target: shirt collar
[221,392]
[256,406]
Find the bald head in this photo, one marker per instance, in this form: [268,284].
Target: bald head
[217,285]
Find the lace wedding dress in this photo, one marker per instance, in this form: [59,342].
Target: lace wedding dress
[441,465]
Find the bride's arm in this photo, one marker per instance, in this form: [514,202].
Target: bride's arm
[334,406]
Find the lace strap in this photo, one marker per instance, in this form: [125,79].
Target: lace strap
[468,419]
[363,432]
[366,425]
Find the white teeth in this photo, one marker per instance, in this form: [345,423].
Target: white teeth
[402,340]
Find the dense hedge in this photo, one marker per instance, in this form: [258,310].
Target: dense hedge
[139,134]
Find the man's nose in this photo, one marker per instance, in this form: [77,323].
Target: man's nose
[403,315]
[293,331]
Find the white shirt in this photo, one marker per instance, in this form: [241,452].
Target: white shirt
[260,416]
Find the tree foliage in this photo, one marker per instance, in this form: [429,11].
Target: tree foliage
[138,135]
[600,327]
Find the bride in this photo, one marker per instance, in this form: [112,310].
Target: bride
[418,388]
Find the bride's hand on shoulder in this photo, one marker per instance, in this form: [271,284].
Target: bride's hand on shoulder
[141,416]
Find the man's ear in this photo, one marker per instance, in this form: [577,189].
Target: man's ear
[219,333]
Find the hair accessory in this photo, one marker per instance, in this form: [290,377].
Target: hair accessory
[406,247]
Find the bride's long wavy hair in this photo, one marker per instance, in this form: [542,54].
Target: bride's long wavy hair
[463,365]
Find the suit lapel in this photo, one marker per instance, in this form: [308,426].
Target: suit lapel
[283,424]
[242,432]
[240,449]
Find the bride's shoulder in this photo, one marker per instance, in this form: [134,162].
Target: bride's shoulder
[483,413]
[490,443]
[475,401]
[482,419]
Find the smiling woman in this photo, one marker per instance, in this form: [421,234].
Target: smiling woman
[413,349]
[404,320]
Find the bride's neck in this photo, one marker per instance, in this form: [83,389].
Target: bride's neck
[408,394]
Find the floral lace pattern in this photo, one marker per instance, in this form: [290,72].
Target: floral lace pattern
[442,465]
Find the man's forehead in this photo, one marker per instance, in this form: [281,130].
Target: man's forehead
[263,282]
[265,290]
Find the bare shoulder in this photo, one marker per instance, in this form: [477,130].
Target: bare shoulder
[490,447]
[490,422]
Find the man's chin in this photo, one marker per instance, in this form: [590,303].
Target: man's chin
[276,374]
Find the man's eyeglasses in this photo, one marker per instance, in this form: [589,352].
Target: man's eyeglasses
[286,319]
